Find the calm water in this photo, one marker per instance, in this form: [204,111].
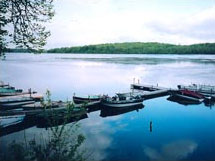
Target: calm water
[178,132]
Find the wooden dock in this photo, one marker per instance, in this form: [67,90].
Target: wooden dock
[152,91]
[155,94]
[146,87]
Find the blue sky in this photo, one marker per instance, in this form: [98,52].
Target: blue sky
[84,22]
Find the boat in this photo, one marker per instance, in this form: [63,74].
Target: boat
[8,103]
[206,90]
[6,121]
[4,92]
[9,92]
[130,94]
[118,102]
[79,100]
[188,95]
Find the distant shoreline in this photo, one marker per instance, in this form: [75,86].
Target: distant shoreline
[132,48]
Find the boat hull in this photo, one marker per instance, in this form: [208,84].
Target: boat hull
[80,100]
[120,104]
[14,105]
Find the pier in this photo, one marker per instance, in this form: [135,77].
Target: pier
[152,91]
[147,87]
[155,94]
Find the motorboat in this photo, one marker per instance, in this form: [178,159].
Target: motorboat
[86,99]
[118,102]
[188,95]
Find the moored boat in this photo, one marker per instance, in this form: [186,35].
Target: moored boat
[79,100]
[190,96]
[117,102]
[206,90]
[8,103]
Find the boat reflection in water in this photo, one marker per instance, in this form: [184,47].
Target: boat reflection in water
[173,98]
[26,123]
[182,101]
[117,111]
[42,122]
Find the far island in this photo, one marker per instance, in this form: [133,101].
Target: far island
[134,48]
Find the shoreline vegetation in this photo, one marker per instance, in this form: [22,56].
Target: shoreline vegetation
[132,48]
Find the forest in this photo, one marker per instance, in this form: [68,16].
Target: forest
[139,48]
[134,48]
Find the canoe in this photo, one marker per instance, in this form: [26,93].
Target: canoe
[14,105]
[79,100]
[8,103]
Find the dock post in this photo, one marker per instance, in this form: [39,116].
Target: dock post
[150,126]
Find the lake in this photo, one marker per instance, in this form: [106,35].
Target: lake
[178,132]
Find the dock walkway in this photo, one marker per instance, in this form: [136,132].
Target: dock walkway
[146,87]
[153,91]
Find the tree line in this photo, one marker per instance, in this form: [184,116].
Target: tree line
[139,48]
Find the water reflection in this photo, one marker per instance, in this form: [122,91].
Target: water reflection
[150,126]
[141,60]
[46,121]
[207,103]
[176,150]
[28,122]
[122,136]
[182,101]
[105,112]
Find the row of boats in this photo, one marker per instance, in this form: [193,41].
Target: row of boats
[195,94]
[192,94]
[17,101]
[120,100]
[12,98]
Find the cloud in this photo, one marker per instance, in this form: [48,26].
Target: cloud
[106,21]
[173,151]
[198,27]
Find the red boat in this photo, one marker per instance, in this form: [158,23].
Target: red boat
[189,95]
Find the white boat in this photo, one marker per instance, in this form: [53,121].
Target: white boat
[86,99]
[116,102]
[7,103]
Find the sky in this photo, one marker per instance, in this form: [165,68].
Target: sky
[85,22]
